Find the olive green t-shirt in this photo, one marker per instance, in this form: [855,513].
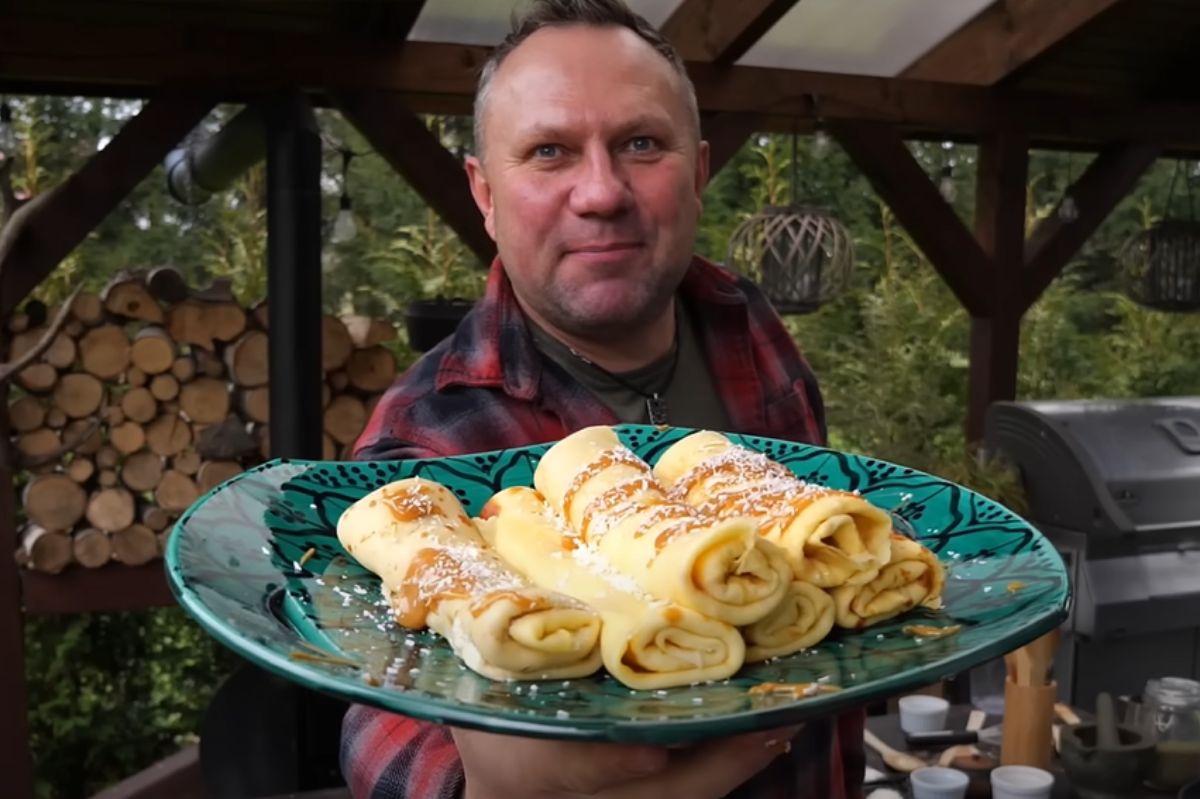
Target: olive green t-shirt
[686,384]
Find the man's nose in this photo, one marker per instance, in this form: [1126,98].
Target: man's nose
[601,186]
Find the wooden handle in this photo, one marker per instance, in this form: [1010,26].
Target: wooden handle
[1028,721]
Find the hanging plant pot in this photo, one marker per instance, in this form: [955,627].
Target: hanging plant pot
[430,321]
[1160,266]
[801,257]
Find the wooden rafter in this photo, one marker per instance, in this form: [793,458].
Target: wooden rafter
[899,180]
[722,31]
[46,229]
[408,146]
[381,20]
[725,134]
[1106,181]
[1007,35]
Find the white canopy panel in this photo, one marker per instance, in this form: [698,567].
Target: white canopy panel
[486,22]
[859,37]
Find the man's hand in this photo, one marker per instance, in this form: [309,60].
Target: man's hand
[506,767]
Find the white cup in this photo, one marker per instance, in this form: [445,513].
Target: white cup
[1021,782]
[935,782]
[921,713]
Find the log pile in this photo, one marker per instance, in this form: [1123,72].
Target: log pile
[148,395]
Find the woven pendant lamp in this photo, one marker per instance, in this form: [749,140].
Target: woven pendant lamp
[1160,266]
[799,255]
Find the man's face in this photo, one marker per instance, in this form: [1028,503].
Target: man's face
[591,178]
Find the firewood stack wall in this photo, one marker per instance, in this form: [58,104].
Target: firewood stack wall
[148,395]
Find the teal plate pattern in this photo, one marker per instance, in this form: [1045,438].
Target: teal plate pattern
[236,562]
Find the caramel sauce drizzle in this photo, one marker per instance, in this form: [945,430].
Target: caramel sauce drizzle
[432,576]
[408,503]
[611,457]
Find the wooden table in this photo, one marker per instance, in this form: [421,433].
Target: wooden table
[888,729]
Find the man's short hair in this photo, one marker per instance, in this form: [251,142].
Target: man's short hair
[539,14]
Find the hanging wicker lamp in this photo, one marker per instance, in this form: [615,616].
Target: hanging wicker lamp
[801,257]
[1160,266]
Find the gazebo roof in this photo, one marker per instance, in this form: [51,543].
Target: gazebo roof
[1077,72]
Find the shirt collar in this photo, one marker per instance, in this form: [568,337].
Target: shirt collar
[493,348]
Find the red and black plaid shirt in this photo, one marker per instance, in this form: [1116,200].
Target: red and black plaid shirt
[488,387]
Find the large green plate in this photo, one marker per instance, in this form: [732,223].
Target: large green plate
[235,563]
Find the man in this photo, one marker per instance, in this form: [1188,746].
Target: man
[589,175]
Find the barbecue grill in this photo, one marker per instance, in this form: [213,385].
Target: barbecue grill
[1115,485]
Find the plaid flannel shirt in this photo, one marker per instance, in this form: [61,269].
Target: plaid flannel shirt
[488,387]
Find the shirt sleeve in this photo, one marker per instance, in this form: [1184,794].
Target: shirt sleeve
[388,756]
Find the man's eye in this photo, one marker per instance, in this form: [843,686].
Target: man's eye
[546,151]
[643,144]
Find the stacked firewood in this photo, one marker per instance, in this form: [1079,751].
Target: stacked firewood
[146,396]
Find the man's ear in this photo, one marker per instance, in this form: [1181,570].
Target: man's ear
[481,191]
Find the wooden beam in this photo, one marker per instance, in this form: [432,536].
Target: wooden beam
[1000,230]
[899,180]
[403,140]
[1106,181]
[1006,36]
[47,228]
[725,134]
[109,589]
[107,58]
[177,775]
[722,31]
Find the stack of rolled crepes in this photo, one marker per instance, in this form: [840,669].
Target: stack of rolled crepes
[437,571]
[646,643]
[835,541]
[668,576]
[718,566]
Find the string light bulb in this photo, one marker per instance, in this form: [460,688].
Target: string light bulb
[946,185]
[345,228]
[8,136]
[1068,210]
[820,144]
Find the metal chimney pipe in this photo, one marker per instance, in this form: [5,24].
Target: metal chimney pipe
[207,167]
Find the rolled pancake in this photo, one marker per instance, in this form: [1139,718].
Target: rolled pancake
[803,619]
[914,576]
[438,572]
[830,537]
[647,643]
[608,495]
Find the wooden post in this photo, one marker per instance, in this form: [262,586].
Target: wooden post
[294,276]
[1000,231]
[14,709]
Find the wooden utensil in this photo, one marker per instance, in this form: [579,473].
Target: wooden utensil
[895,759]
